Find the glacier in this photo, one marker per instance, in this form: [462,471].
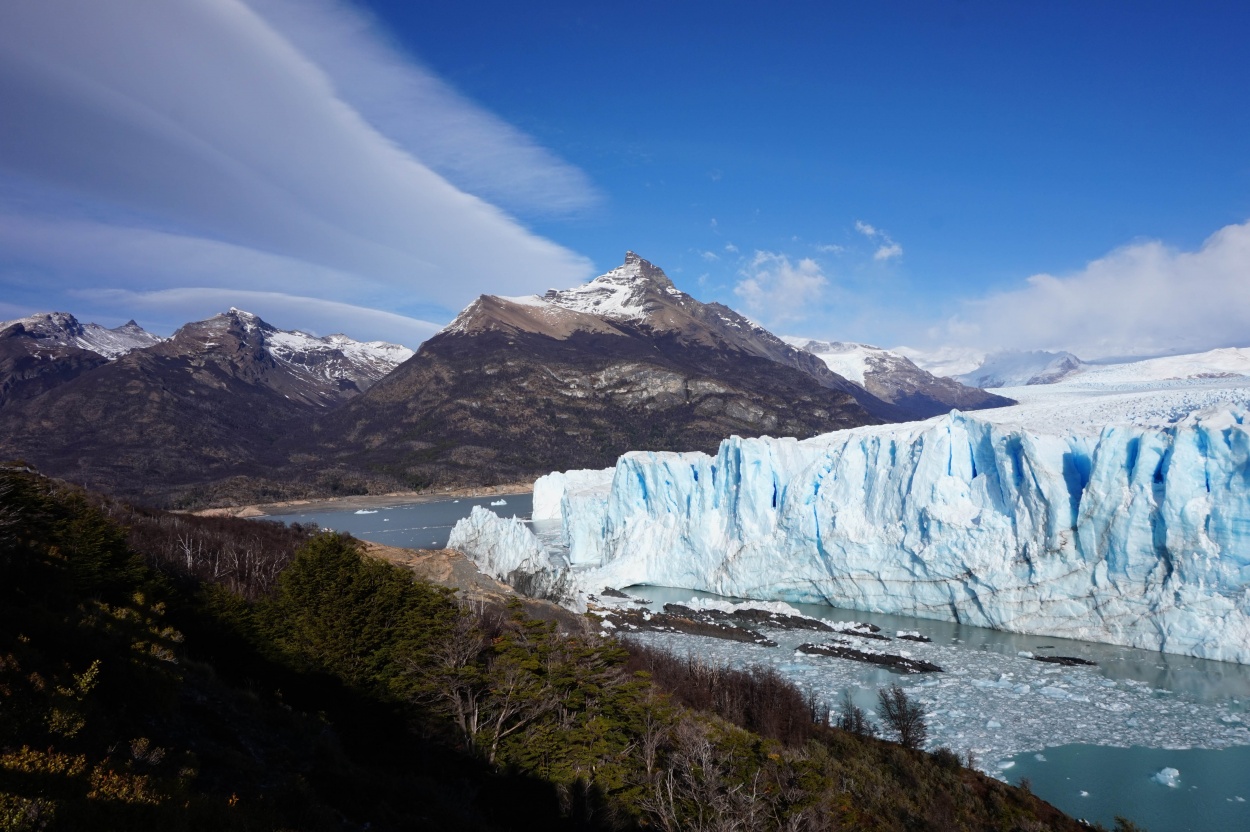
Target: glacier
[1131,534]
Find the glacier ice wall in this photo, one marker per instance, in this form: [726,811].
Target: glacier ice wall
[1135,536]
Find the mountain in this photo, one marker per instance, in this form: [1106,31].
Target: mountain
[64,330]
[205,405]
[894,378]
[1012,368]
[316,371]
[40,352]
[515,387]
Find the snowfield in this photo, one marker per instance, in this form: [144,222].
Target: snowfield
[1113,506]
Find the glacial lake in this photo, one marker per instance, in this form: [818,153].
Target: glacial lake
[1093,740]
[408,526]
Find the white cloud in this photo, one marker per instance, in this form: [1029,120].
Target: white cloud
[830,248]
[296,134]
[731,248]
[888,251]
[1144,297]
[775,290]
[709,255]
[166,309]
[472,147]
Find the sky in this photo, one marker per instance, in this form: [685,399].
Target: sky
[974,175]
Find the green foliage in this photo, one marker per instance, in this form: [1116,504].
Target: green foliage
[354,696]
[356,618]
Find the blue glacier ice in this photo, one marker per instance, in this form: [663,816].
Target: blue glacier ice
[1133,535]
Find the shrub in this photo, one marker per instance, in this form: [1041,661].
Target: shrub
[904,717]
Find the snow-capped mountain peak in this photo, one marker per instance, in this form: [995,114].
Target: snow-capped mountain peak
[303,367]
[894,378]
[63,329]
[628,292]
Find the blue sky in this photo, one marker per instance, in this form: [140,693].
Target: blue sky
[1067,175]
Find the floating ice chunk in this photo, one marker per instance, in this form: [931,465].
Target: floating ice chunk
[366,511]
[780,607]
[1041,758]
[1084,793]
[1169,777]
[993,723]
[499,502]
[1003,765]
[1025,654]
[1054,692]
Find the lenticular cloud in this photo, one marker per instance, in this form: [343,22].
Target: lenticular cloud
[205,119]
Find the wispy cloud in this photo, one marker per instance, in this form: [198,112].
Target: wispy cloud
[291,131]
[315,315]
[396,94]
[709,255]
[887,249]
[776,290]
[1144,297]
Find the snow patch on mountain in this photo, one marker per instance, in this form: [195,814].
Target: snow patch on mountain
[1230,362]
[1017,369]
[63,329]
[849,360]
[334,358]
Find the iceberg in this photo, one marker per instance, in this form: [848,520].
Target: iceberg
[1168,776]
[1137,535]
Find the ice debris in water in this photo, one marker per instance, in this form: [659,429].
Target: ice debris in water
[995,704]
[1168,777]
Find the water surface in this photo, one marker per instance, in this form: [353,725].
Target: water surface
[424,525]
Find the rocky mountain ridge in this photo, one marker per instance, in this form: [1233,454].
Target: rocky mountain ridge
[516,387]
[61,329]
[204,406]
[894,378]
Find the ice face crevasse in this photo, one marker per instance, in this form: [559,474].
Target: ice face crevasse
[1135,536]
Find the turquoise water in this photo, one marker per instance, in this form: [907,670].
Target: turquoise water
[1212,791]
[1132,700]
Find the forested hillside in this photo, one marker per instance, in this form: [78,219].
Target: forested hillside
[165,672]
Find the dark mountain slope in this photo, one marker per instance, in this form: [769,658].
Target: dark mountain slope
[519,387]
[163,422]
[32,363]
[157,419]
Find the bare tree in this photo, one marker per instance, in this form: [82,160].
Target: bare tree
[851,717]
[905,717]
